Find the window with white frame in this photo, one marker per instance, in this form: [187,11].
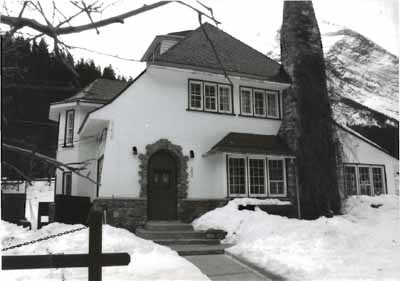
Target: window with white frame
[225,102]
[259,103]
[210,97]
[69,128]
[195,95]
[237,176]
[364,179]
[246,101]
[257,176]
[277,177]
[272,104]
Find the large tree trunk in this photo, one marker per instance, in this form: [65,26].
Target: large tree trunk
[307,124]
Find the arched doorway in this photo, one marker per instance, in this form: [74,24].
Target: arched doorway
[162,186]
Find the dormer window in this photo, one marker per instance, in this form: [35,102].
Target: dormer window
[210,97]
[69,128]
[195,95]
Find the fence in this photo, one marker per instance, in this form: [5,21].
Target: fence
[13,208]
[94,260]
[72,209]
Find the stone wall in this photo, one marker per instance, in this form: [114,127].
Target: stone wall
[190,209]
[121,212]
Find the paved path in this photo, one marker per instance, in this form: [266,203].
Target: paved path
[225,268]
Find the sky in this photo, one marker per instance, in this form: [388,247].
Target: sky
[254,22]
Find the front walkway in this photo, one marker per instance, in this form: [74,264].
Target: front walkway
[225,268]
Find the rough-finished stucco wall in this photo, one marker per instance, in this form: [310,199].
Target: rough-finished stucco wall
[154,108]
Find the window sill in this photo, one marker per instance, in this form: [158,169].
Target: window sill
[212,112]
[68,146]
[260,117]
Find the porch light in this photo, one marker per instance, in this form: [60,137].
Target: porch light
[134,150]
[191,153]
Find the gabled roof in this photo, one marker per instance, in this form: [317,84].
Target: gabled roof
[252,144]
[101,90]
[196,51]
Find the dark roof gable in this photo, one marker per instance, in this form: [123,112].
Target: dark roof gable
[237,58]
[101,90]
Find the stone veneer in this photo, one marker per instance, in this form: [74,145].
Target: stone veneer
[181,161]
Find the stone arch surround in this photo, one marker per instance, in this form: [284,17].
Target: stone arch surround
[181,161]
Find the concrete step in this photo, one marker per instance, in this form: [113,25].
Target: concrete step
[199,249]
[187,241]
[169,234]
[167,225]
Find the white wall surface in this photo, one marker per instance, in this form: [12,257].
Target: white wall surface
[154,107]
[359,151]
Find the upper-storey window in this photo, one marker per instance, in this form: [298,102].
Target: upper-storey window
[259,103]
[69,128]
[225,101]
[246,101]
[273,104]
[195,95]
[210,97]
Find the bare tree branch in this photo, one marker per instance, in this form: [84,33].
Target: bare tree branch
[52,32]
[18,171]
[57,164]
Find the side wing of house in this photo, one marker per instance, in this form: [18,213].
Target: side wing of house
[368,169]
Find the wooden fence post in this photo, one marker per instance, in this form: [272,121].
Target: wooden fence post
[95,241]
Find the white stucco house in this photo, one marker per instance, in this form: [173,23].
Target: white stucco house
[182,139]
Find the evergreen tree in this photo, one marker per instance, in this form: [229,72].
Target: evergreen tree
[108,73]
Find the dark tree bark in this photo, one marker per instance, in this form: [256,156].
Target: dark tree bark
[307,126]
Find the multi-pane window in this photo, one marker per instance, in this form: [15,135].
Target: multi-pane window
[246,101]
[350,180]
[364,179]
[259,103]
[257,176]
[272,105]
[377,180]
[276,171]
[67,183]
[195,96]
[69,128]
[225,99]
[210,97]
[237,176]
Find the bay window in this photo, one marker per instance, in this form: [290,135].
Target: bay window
[256,176]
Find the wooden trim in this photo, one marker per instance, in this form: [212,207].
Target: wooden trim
[265,90]
[97,174]
[65,128]
[219,113]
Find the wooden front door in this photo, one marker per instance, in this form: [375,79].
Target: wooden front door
[162,190]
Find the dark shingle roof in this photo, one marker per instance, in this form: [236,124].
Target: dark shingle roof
[251,143]
[237,58]
[101,90]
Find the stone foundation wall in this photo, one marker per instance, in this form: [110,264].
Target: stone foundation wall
[121,212]
[190,209]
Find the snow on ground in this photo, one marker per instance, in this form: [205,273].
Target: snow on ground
[362,244]
[149,261]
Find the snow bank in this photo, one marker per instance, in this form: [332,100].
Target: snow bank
[362,244]
[149,261]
